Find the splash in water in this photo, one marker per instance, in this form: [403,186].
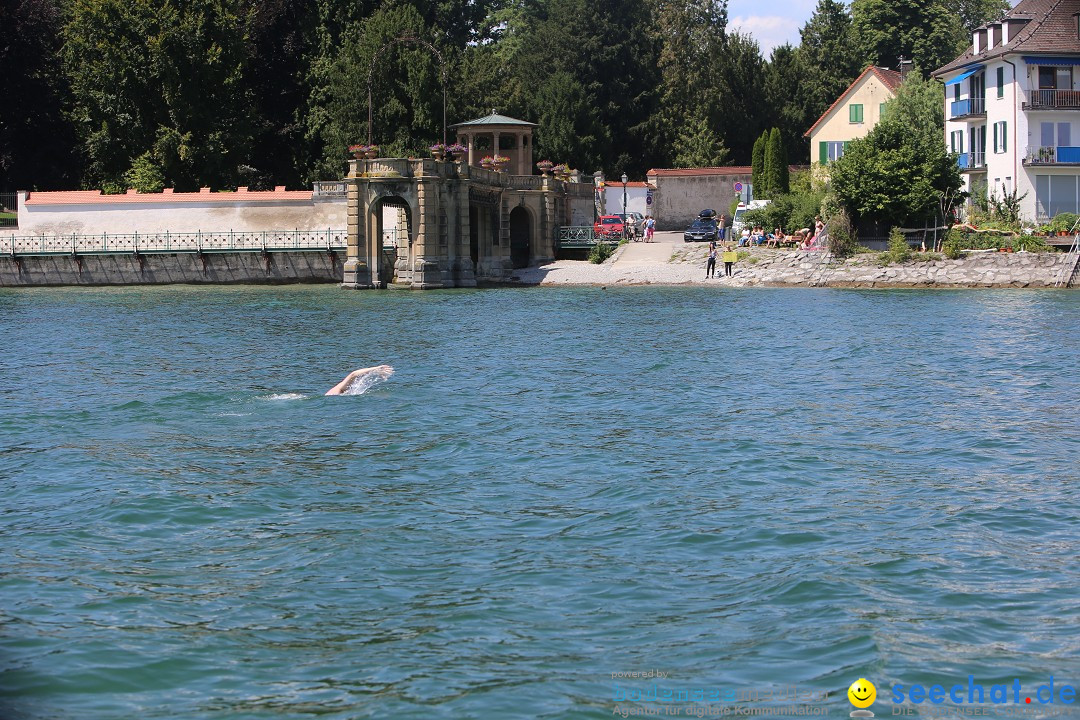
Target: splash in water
[286,396]
[362,384]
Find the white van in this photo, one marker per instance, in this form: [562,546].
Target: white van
[740,211]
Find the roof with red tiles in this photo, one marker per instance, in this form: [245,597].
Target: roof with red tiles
[891,79]
[1049,27]
[619,184]
[729,170]
[131,197]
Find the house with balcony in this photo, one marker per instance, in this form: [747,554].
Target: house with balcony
[853,115]
[1012,106]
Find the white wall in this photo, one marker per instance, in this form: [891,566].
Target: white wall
[184,212]
[636,199]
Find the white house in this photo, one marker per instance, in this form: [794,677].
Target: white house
[639,197]
[1012,106]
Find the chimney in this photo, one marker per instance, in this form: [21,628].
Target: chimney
[976,48]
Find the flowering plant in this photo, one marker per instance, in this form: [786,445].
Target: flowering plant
[457,148]
[437,148]
[500,159]
[561,168]
[363,148]
[545,164]
[487,160]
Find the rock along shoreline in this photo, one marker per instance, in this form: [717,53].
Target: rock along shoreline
[789,268]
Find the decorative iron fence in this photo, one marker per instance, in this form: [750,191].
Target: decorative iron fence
[168,242]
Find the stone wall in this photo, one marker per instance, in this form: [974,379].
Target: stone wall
[164,268]
[1020,270]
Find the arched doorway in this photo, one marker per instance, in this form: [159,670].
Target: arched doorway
[520,238]
[392,234]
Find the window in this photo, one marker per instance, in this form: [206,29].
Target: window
[1055,194]
[855,113]
[1001,143]
[1055,78]
[830,151]
[881,110]
[1001,81]
[1064,134]
[957,141]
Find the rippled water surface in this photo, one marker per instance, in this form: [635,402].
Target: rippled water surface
[743,489]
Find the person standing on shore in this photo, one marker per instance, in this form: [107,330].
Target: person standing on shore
[730,256]
[710,267]
[721,228]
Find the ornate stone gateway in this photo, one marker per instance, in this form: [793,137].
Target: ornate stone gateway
[459,225]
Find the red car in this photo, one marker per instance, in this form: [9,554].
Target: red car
[608,226]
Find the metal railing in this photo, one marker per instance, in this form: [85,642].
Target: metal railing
[169,242]
[581,236]
[971,161]
[1051,155]
[971,106]
[1053,99]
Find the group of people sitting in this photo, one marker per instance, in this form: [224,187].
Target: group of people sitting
[804,239]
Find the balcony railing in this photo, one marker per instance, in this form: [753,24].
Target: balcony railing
[971,161]
[1052,155]
[170,242]
[971,106]
[1053,100]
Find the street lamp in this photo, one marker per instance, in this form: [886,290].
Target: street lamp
[624,205]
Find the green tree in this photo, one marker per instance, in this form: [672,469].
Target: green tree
[784,77]
[145,175]
[898,172]
[921,30]
[698,145]
[775,167]
[406,90]
[757,165]
[689,35]
[164,78]
[973,13]
[36,139]
[603,45]
[825,64]
[740,72]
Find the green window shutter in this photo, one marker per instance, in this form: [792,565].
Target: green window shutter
[846,143]
[855,113]
[823,152]
[1001,82]
[995,137]
[1004,138]
[880,110]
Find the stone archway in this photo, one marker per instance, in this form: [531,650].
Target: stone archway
[392,233]
[520,237]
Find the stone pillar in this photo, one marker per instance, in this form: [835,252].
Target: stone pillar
[470,142]
[429,269]
[520,152]
[357,272]
[495,144]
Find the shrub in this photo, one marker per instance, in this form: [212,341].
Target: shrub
[1062,222]
[841,236]
[600,252]
[145,175]
[899,251]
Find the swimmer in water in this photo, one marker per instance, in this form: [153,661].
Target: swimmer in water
[381,371]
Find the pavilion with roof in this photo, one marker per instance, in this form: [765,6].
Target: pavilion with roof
[500,134]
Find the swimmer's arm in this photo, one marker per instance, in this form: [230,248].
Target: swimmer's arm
[383,370]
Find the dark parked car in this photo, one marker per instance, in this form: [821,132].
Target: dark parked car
[702,230]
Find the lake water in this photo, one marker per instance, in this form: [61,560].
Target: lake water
[744,489]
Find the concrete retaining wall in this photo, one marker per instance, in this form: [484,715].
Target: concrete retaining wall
[219,268]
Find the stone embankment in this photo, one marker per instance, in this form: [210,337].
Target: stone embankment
[680,264]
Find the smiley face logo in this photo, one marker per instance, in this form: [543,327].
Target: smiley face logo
[862,693]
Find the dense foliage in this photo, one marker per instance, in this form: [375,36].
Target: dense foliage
[222,93]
